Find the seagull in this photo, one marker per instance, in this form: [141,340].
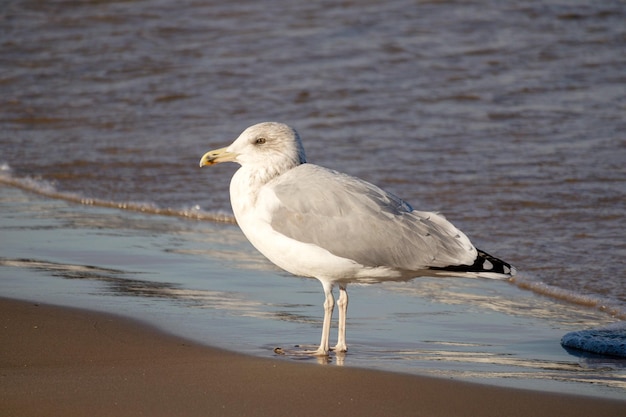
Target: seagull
[316,222]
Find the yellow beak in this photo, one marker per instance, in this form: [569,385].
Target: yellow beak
[216,156]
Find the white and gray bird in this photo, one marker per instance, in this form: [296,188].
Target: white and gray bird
[315,222]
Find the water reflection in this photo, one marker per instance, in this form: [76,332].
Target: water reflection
[119,283]
[482,362]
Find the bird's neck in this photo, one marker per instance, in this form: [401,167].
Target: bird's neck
[245,187]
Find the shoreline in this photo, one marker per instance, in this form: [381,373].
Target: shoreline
[69,362]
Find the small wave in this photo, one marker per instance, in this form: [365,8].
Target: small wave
[47,189]
[592,301]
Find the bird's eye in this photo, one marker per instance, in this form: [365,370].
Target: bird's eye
[260,141]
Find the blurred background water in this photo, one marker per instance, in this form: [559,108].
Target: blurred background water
[508,117]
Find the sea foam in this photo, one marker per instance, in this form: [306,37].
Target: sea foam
[47,189]
[612,308]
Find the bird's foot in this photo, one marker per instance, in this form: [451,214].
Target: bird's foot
[340,348]
[302,352]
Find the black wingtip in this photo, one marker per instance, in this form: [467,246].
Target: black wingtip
[484,263]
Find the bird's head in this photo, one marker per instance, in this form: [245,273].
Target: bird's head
[263,145]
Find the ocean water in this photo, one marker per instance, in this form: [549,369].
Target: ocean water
[508,118]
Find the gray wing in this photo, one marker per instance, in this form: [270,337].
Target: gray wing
[356,220]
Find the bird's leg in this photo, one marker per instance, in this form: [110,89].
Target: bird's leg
[342,305]
[329,304]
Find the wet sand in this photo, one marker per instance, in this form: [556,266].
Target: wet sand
[69,362]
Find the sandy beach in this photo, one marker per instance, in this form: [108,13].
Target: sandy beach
[58,361]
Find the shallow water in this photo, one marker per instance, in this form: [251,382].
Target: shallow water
[203,281]
[507,118]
